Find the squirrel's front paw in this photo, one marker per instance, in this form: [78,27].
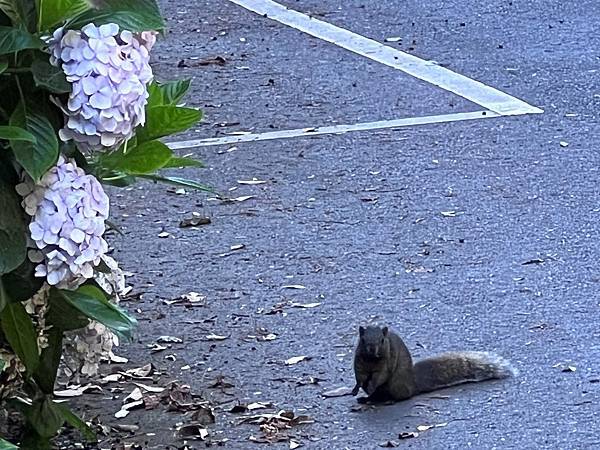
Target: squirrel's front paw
[362,400]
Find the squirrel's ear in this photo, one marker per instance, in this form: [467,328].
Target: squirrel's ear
[361,331]
[385,330]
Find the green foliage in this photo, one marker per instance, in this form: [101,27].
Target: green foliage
[14,40]
[12,228]
[5,445]
[36,158]
[16,134]
[167,93]
[142,159]
[20,334]
[52,12]
[132,15]
[31,92]
[92,302]
[20,12]
[49,77]
[164,120]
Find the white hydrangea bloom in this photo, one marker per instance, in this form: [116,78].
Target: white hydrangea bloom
[109,72]
[68,210]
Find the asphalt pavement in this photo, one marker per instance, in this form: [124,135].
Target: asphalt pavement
[479,235]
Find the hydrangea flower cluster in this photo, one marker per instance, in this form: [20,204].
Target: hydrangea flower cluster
[68,210]
[109,71]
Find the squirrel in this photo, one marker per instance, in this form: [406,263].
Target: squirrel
[384,369]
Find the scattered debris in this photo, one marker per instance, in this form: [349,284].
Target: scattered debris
[194,221]
[296,360]
[76,391]
[253,181]
[169,340]
[293,286]
[339,392]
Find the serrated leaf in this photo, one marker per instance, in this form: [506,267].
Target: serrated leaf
[13,233]
[167,93]
[16,134]
[92,302]
[179,182]
[51,12]
[182,162]
[15,39]
[5,445]
[20,334]
[49,77]
[36,158]
[166,120]
[132,15]
[146,158]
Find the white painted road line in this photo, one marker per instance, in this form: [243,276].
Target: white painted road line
[479,93]
[334,129]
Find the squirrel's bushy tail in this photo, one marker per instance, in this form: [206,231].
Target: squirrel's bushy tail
[449,369]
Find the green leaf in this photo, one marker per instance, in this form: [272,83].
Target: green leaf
[4,299]
[45,375]
[21,283]
[132,15]
[182,162]
[5,445]
[3,66]
[44,417]
[13,232]
[165,120]
[49,77]
[92,302]
[51,12]
[15,39]
[178,182]
[36,158]
[20,334]
[76,422]
[62,314]
[143,159]
[21,12]
[16,134]
[168,93]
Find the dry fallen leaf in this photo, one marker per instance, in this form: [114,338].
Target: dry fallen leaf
[296,360]
[294,444]
[134,396]
[293,286]
[192,431]
[408,434]
[163,234]
[252,181]
[393,39]
[305,305]
[339,392]
[153,389]
[76,391]
[169,339]
[215,337]
[237,247]
[194,221]
[450,213]
[124,411]
[258,405]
